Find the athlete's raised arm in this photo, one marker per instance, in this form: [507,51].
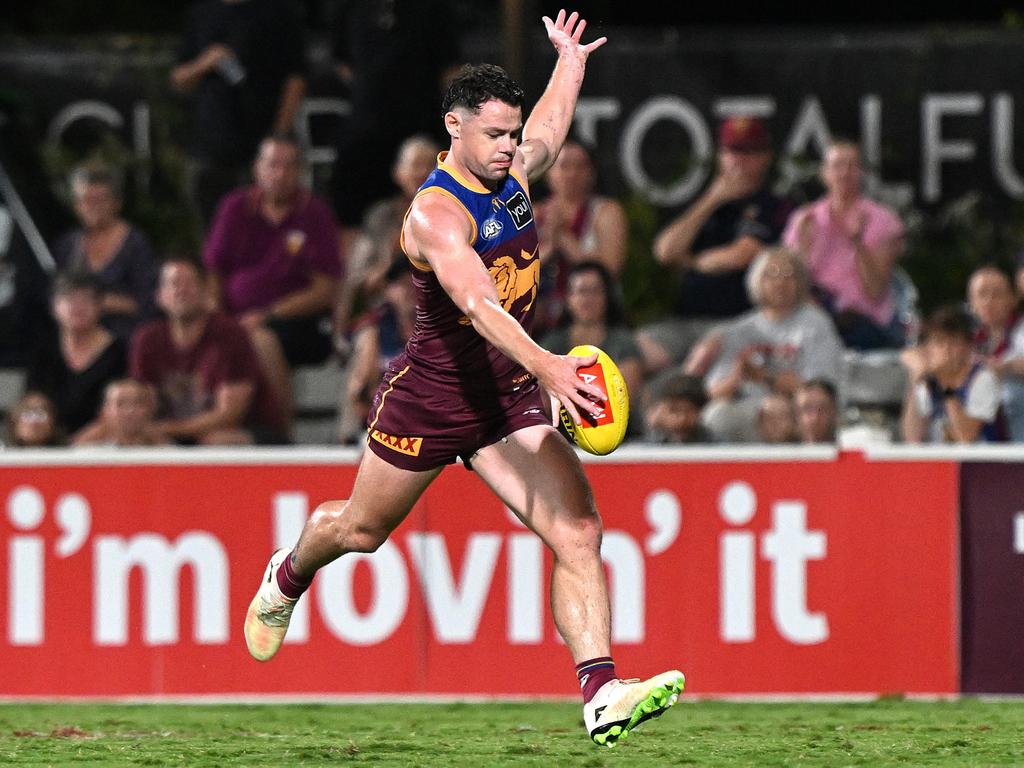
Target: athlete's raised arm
[548,124]
[440,235]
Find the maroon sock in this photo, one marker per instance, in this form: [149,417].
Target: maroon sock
[291,584]
[593,674]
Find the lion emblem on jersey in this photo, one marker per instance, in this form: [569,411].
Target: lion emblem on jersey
[513,282]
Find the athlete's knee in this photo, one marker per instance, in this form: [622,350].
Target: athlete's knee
[366,539]
[337,522]
[582,531]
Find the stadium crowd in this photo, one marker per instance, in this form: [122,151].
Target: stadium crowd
[776,303]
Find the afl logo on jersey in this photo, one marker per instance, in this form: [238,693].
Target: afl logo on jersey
[490,229]
[519,209]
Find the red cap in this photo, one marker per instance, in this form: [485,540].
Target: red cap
[746,134]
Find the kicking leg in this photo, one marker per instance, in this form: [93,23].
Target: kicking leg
[359,524]
[539,477]
[381,498]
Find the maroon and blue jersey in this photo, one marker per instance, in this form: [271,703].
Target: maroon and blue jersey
[451,392]
[444,343]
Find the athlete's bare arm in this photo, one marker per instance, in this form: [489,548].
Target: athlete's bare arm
[438,233]
[548,124]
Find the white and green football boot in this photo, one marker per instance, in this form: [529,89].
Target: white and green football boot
[266,621]
[619,706]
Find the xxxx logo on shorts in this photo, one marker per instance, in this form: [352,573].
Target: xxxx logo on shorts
[410,446]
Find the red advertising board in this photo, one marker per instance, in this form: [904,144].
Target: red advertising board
[752,577]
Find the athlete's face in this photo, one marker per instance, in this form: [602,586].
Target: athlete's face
[486,141]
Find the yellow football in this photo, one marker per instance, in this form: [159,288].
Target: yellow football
[603,433]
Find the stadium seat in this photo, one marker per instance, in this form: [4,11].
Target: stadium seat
[873,379]
[317,393]
[12,383]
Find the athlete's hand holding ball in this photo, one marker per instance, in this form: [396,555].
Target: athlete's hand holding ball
[603,431]
[592,405]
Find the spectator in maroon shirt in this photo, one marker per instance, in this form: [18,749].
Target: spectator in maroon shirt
[209,384]
[273,250]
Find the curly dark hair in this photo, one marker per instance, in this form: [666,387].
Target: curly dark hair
[477,84]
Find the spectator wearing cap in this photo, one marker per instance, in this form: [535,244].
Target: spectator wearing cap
[673,415]
[851,244]
[715,239]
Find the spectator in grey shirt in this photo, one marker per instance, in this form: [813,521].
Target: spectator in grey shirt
[784,341]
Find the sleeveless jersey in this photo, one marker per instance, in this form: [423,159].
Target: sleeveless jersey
[444,346]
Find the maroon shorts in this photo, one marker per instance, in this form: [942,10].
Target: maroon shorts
[417,424]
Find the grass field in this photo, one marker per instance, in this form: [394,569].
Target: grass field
[883,733]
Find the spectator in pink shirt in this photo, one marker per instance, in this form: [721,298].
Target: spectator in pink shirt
[850,245]
[273,251]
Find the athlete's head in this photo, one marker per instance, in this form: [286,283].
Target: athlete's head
[483,113]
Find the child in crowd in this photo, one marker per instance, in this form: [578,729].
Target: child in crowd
[126,418]
[951,396]
[673,415]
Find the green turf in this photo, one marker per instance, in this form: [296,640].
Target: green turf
[883,733]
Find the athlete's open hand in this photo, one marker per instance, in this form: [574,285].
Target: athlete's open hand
[558,376]
[565,33]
